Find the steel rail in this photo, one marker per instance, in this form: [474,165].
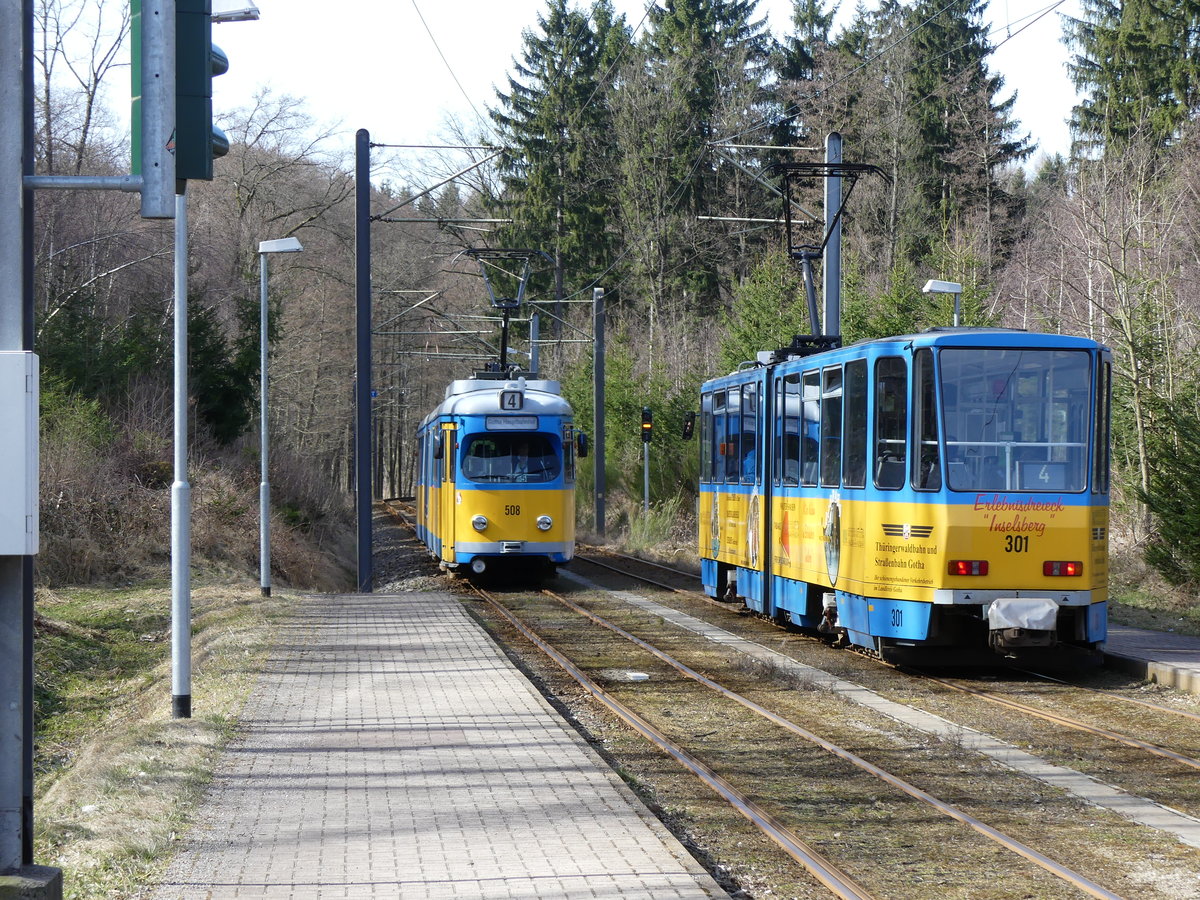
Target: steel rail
[1061,720]
[1157,707]
[820,868]
[666,587]
[1153,749]
[651,563]
[1068,875]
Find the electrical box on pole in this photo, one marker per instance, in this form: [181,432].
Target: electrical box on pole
[18,453]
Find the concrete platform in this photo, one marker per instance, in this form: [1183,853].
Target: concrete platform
[1160,656]
[390,750]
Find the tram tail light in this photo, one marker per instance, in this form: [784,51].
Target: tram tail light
[1058,567]
[968,567]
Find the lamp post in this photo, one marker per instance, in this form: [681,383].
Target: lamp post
[933,286]
[265,248]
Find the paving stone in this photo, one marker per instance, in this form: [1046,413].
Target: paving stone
[391,750]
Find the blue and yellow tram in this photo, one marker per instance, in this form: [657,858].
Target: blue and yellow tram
[930,497]
[496,475]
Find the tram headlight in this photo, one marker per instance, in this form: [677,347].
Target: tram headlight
[544,523]
[479,523]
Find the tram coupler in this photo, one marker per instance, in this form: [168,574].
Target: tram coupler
[1016,623]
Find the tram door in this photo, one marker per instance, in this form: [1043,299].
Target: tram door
[448,495]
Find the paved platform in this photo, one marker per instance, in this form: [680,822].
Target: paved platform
[1161,656]
[390,750]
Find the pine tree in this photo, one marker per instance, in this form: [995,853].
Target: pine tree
[557,173]
[700,77]
[768,310]
[707,35]
[964,135]
[1138,62]
[1174,547]
[796,63]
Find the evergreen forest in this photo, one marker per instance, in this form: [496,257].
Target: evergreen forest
[633,156]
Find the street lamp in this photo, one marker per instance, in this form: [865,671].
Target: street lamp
[933,286]
[282,245]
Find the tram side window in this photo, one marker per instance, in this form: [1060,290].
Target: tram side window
[751,458]
[854,451]
[891,422]
[775,425]
[1102,435]
[720,435]
[927,464]
[706,437]
[831,426]
[568,445]
[790,455]
[810,448]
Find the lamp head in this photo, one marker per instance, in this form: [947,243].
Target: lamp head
[933,286]
[282,245]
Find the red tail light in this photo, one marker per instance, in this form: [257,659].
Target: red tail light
[1057,567]
[968,567]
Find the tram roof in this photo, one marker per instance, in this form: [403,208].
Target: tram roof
[481,396]
[940,336]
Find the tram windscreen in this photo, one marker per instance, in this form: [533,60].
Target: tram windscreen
[1016,420]
[515,457]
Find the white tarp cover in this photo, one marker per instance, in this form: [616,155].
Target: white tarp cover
[1031,613]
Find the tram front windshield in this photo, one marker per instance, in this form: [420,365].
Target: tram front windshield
[1016,420]
[518,457]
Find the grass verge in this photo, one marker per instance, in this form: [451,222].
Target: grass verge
[117,778]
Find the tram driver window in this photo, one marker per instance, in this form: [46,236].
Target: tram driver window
[706,432]
[1017,418]
[518,457]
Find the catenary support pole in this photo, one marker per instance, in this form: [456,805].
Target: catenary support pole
[832,270]
[598,397]
[362,382]
[181,491]
[534,326]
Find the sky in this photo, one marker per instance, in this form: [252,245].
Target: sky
[400,68]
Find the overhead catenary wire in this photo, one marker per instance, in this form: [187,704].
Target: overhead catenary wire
[449,68]
[778,119]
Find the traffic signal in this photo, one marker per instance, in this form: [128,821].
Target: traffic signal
[197,140]
[647,424]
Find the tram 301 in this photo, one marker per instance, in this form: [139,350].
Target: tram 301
[935,497]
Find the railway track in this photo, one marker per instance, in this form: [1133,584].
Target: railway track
[1171,747]
[1095,876]
[828,872]
[1005,701]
